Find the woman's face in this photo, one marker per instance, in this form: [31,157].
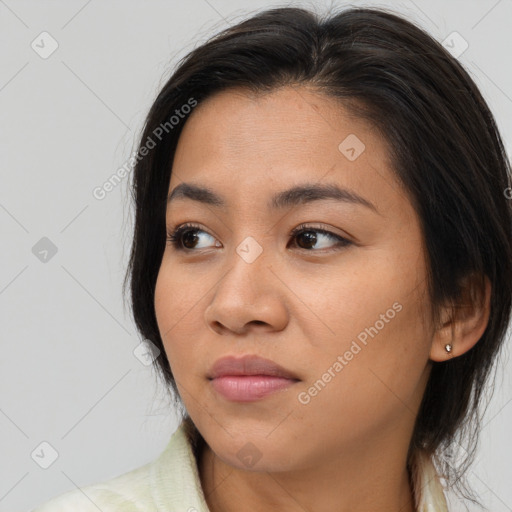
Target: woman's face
[343,316]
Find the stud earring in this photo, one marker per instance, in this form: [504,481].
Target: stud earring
[448,348]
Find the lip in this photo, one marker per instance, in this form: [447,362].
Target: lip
[249,378]
[248,365]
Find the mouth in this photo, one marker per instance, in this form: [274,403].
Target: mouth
[249,378]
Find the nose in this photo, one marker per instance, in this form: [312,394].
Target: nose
[248,297]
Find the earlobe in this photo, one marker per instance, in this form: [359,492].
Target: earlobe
[462,325]
[445,343]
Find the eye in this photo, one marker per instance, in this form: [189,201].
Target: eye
[186,236]
[306,234]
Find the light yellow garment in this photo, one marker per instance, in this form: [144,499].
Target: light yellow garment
[171,483]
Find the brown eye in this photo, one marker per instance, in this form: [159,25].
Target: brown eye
[307,237]
[186,237]
[189,238]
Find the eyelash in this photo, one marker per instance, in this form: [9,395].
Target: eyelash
[174,237]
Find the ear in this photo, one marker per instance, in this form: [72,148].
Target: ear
[462,325]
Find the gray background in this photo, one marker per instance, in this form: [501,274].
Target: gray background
[68,372]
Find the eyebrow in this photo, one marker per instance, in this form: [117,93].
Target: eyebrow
[300,194]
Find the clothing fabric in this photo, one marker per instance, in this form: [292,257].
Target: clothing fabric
[171,483]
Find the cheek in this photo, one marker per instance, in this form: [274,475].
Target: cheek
[177,302]
[370,289]
[359,388]
[368,332]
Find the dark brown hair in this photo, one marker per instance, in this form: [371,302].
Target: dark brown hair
[443,143]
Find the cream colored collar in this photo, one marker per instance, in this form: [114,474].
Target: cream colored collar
[429,494]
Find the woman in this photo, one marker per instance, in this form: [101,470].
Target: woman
[322,254]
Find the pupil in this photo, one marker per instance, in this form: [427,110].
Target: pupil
[187,235]
[311,238]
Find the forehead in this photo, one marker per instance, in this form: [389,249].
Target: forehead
[244,143]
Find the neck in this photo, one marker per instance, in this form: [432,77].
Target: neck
[355,482]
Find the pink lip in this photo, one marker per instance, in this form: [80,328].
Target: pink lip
[249,378]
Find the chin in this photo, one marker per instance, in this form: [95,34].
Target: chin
[253,449]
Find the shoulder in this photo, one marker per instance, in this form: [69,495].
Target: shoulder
[170,479]
[129,491]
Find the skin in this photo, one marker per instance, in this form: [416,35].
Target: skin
[301,306]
